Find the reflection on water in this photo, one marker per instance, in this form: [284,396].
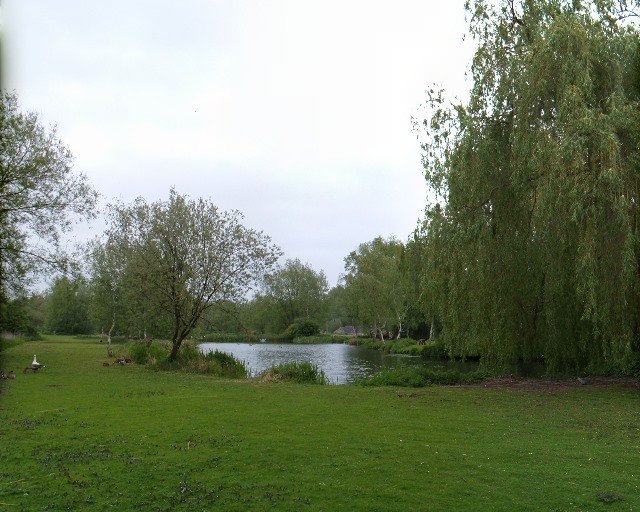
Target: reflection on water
[341,363]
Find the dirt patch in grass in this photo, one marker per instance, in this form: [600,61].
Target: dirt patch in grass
[557,383]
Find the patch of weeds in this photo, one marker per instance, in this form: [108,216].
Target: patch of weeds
[227,365]
[56,458]
[302,373]
[191,360]
[28,424]
[197,494]
[212,442]
[421,377]
[608,497]
[148,393]
[142,352]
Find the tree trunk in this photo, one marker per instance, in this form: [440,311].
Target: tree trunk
[113,324]
[175,349]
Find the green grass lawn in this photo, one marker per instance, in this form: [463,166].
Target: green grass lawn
[80,436]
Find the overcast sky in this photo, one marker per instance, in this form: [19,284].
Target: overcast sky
[295,112]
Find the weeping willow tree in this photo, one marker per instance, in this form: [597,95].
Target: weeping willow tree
[533,238]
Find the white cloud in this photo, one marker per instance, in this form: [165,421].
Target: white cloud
[296,113]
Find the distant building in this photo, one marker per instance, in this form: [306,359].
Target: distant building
[347,329]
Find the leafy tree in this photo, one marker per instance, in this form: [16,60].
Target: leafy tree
[296,292]
[186,257]
[258,315]
[532,246]
[376,285]
[421,314]
[67,307]
[23,315]
[40,198]
[227,317]
[338,312]
[106,269]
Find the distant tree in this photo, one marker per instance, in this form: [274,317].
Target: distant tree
[67,307]
[297,292]
[189,257]
[376,285]
[338,313]
[106,267]
[257,315]
[23,315]
[227,317]
[40,198]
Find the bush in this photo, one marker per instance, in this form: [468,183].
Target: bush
[141,352]
[409,346]
[188,351]
[421,377]
[301,329]
[434,350]
[303,373]
[10,342]
[322,338]
[225,365]
[190,359]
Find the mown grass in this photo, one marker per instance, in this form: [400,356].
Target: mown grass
[81,436]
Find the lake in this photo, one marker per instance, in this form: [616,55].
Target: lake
[341,363]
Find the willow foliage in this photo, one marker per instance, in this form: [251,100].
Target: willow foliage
[533,246]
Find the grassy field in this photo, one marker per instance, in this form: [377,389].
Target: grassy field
[81,436]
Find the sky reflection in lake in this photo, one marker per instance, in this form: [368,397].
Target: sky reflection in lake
[341,363]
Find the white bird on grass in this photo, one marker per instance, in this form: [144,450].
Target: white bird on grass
[35,366]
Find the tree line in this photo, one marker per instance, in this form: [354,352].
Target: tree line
[528,247]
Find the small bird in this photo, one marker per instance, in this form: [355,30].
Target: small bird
[3,375]
[11,375]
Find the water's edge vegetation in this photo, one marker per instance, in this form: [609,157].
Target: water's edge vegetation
[154,355]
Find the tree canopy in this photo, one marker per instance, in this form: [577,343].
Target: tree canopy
[180,257]
[376,285]
[533,241]
[40,197]
[297,292]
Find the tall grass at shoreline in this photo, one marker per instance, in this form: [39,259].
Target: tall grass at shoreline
[300,372]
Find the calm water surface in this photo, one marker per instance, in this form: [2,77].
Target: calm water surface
[341,364]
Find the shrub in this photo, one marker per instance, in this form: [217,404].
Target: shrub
[434,350]
[140,352]
[304,328]
[225,365]
[10,341]
[189,351]
[321,338]
[303,373]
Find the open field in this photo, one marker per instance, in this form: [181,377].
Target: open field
[81,436]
